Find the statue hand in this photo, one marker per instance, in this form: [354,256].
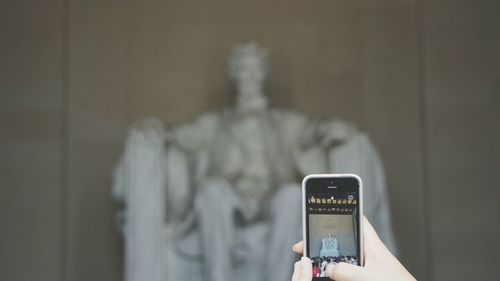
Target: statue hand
[149,130]
[380,264]
[331,131]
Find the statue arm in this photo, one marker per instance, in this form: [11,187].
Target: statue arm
[310,139]
[140,183]
[303,131]
[299,132]
[332,131]
[148,165]
[297,129]
[147,133]
[192,137]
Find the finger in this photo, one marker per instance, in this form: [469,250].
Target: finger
[296,272]
[306,269]
[373,245]
[299,247]
[369,232]
[375,249]
[346,272]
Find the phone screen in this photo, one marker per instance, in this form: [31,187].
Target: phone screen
[332,221]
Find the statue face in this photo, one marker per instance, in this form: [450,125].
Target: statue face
[250,73]
[248,67]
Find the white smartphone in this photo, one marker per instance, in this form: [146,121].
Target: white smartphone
[332,220]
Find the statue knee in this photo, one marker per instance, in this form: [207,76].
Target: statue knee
[287,201]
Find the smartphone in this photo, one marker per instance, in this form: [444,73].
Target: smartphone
[332,220]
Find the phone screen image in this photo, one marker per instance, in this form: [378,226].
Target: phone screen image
[332,227]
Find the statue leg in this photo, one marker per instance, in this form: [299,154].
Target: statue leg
[215,205]
[286,220]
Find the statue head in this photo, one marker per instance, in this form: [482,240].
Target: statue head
[249,63]
[249,68]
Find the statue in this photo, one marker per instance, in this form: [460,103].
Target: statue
[219,198]
[329,247]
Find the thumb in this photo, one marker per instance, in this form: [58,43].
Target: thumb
[346,272]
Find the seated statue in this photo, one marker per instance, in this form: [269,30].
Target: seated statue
[329,247]
[219,198]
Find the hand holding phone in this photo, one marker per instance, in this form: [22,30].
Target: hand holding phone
[332,208]
[380,264]
[336,234]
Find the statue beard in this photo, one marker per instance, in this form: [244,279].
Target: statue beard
[251,103]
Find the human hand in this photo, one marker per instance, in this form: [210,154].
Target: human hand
[380,264]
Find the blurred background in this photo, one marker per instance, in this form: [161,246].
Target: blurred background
[421,77]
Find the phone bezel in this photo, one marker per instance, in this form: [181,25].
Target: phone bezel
[304,210]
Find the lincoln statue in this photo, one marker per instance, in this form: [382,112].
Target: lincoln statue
[218,198]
